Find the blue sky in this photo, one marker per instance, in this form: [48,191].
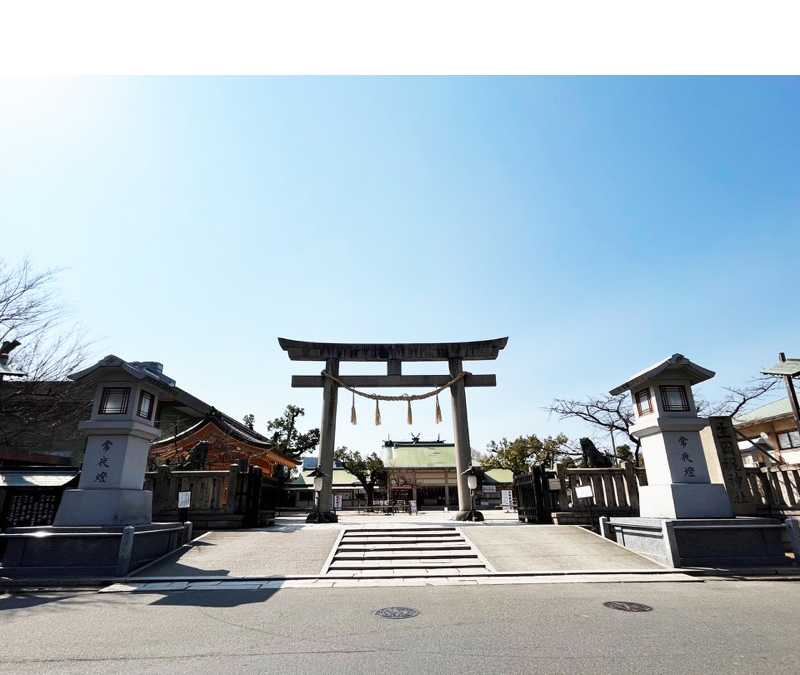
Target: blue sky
[601,223]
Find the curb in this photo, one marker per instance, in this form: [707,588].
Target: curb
[667,574]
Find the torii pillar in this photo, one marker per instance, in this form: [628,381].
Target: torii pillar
[454,353]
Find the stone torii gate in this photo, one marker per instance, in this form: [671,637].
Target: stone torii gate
[454,353]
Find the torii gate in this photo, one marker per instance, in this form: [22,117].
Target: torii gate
[455,353]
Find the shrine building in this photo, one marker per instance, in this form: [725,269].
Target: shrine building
[229,441]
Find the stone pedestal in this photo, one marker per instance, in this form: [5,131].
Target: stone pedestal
[684,500]
[476,515]
[104,508]
[703,542]
[76,552]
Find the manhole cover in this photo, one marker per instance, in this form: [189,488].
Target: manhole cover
[627,606]
[397,613]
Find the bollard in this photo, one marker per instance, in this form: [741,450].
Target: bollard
[605,528]
[187,531]
[125,550]
[794,537]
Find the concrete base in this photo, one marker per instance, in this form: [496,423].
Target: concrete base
[739,542]
[468,515]
[108,508]
[73,552]
[684,500]
[322,517]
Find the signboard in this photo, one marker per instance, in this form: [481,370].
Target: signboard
[413,506]
[584,492]
[184,498]
[336,501]
[507,497]
[489,488]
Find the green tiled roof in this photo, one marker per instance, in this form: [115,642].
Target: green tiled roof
[410,457]
[777,408]
[423,457]
[501,476]
[341,478]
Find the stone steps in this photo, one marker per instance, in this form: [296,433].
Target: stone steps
[404,551]
[403,555]
[390,565]
[452,546]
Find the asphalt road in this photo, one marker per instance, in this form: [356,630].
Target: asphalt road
[713,627]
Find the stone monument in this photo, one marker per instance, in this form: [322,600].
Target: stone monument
[685,519]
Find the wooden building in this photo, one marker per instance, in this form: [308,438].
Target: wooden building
[421,471]
[425,472]
[777,421]
[225,442]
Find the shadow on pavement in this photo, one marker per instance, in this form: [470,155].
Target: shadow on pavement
[177,569]
[32,600]
[214,598]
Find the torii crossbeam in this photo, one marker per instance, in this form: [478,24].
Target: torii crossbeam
[454,353]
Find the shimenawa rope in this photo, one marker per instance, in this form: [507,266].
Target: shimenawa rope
[403,397]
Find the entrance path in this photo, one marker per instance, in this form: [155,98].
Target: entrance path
[286,549]
[539,548]
[294,548]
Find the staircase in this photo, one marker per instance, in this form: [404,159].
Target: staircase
[404,551]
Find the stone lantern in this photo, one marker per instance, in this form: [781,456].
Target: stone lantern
[105,525]
[119,433]
[685,519]
[678,484]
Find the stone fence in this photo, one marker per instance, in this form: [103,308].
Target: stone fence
[775,490]
[615,493]
[770,491]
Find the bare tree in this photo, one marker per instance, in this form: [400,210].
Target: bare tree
[737,398]
[476,455]
[614,414]
[40,406]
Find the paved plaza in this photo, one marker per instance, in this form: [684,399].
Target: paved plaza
[289,548]
[499,551]
[499,544]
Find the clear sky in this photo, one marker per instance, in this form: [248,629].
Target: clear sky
[600,223]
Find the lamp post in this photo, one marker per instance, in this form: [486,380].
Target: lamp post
[317,475]
[472,483]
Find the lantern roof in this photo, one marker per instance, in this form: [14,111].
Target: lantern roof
[676,367]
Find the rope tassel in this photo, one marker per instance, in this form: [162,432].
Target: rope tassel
[410,416]
[377,413]
[438,411]
[353,418]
